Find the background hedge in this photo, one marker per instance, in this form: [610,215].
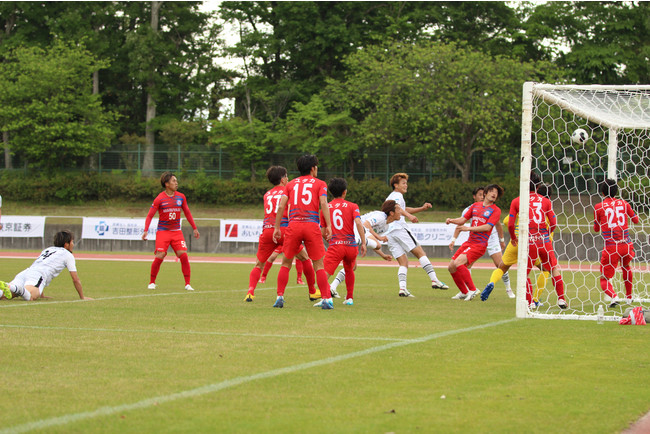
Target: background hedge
[77,188]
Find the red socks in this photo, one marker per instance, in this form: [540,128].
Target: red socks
[155,268]
[323,284]
[308,269]
[253,278]
[267,267]
[185,267]
[463,279]
[283,279]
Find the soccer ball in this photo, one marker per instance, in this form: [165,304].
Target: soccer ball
[580,136]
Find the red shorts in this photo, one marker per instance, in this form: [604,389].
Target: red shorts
[165,238]
[267,246]
[473,251]
[544,252]
[337,253]
[308,233]
[611,256]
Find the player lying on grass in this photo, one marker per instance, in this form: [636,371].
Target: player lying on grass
[343,246]
[496,242]
[277,175]
[30,283]
[375,224]
[484,215]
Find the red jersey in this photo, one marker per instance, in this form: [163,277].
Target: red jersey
[304,195]
[479,216]
[540,210]
[169,212]
[612,215]
[343,215]
[271,205]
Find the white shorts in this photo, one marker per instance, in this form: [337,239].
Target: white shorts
[30,278]
[400,242]
[493,243]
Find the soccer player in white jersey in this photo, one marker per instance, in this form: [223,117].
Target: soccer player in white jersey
[30,283]
[401,241]
[375,223]
[496,242]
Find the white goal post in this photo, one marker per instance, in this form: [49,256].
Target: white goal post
[617,120]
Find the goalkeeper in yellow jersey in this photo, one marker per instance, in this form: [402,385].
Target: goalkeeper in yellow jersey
[511,252]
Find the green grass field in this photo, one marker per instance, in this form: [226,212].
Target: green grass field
[136,360]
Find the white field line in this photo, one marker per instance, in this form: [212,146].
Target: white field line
[200,333]
[215,387]
[19,303]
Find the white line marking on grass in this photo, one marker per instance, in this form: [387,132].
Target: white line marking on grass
[192,332]
[19,303]
[215,387]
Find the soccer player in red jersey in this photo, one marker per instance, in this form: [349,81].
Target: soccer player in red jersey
[343,246]
[542,222]
[169,205]
[277,175]
[484,216]
[305,196]
[611,216]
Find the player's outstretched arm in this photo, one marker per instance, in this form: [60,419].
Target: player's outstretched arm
[424,207]
[77,285]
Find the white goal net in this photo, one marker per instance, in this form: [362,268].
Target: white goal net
[617,122]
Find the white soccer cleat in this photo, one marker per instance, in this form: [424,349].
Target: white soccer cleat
[510,293]
[334,293]
[614,302]
[459,296]
[470,295]
[438,284]
[152,286]
[562,304]
[348,302]
[188,287]
[405,293]
[319,304]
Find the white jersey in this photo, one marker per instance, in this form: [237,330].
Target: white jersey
[52,261]
[377,220]
[399,199]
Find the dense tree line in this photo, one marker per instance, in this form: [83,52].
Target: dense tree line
[344,79]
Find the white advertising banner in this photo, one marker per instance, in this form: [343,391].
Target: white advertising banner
[109,228]
[435,234]
[243,231]
[22,226]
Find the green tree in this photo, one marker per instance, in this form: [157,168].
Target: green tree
[440,100]
[596,42]
[47,105]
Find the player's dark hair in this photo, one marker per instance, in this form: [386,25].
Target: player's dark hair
[476,190]
[62,238]
[305,163]
[608,188]
[535,180]
[545,190]
[165,177]
[496,187]
[275,174]
[388,207]
[337,187]
[394,180]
